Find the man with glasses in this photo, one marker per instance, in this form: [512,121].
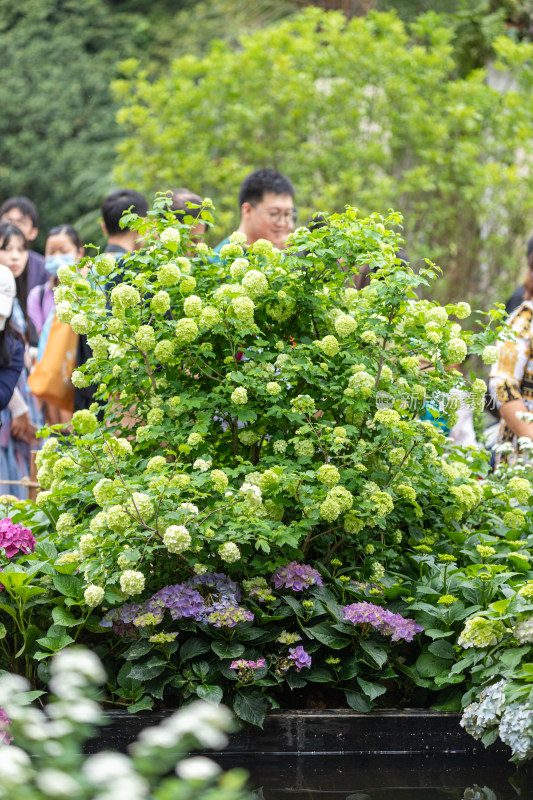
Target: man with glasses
[266,198]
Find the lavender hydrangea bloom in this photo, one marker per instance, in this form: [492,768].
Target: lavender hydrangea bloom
[387,623]
[300,657]
[180,600]
[296,576]
[121,619]
[211,598]
[216,583]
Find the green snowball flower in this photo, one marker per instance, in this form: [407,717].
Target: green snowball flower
[145,338]
[186,330]
[160,302]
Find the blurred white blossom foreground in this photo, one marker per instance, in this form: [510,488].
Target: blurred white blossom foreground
[41,750]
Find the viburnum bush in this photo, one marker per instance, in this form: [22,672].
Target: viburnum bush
[254,503]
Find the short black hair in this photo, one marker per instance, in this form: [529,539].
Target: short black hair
[69,230]
[119,201]
[179,199]
[24,205]
[257,183]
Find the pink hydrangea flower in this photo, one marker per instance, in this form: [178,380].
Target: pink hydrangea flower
[14,538]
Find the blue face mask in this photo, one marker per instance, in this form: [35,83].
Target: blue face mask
[52,263]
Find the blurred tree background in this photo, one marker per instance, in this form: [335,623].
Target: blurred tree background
[418,129]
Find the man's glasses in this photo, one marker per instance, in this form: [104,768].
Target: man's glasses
[289,217]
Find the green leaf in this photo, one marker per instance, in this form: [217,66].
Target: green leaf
[69,585]
[138,649]
[434,633]
[250,707]
[144,672]
[512,657]
[378,654]
[63,617]
[357,701]
[193,647]
[8,610]
[428,665]
[11,579]
[146,703]
[371,690]
[47,549]
[319,675]
[442,650]
[324,634]
[27,592]
[3,630]
[227,649]
[55,643]
[211,694]
[500,605]
[30,637]
[295,605]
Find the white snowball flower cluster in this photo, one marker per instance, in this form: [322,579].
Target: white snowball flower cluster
[192,306]
[490,355]
[132,582]
[252,493]
[177,539]
[170,236]
[239,396]
[254,283]
[93,595]
[345,325]
[229,552]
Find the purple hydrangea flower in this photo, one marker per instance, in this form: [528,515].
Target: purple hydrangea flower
[15,538]
[216,583]
[219,607]
[121,619]
[296,576]
[387,623]
[5,738]
[180,600]
[300,657]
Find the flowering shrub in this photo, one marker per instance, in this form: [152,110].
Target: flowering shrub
[254,484]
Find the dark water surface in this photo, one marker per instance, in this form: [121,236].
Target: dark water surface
[383,777]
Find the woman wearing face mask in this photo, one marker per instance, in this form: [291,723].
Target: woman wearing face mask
[63,248]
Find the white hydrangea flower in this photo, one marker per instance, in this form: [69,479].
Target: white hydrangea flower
[252,493]
[170,236]
[192,306]
[94,595]
[177,539]
[229,552]
[132,582]
[490,355]
[239,396]
[254,283]
[202,464]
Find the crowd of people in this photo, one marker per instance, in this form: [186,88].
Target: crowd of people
[27,309]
